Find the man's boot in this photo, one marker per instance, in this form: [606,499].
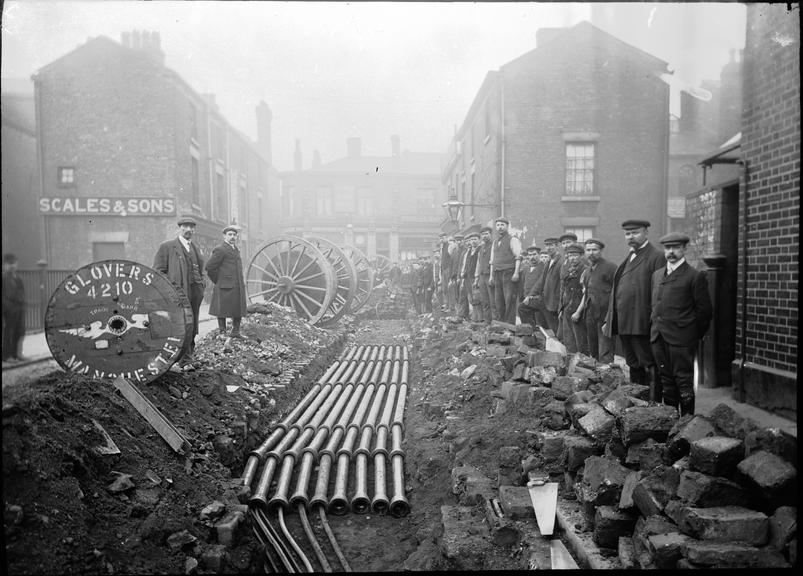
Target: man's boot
[235,328]
[221,325]
[686,404]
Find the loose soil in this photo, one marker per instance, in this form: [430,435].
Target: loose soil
[71,509]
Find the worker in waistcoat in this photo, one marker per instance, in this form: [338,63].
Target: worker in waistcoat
[505,265]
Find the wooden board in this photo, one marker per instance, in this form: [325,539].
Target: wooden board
[152,414]
[545,502]
[561,559]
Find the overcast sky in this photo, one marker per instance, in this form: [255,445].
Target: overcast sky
[330,71]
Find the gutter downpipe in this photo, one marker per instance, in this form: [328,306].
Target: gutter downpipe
[502,143]
[746,173]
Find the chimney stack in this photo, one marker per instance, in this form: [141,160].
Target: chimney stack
[147,42]
[297,156]
[264,131]
[353,147]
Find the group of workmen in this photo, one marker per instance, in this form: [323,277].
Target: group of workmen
[655,302]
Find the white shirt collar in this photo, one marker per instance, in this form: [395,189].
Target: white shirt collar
[672,267]
[185,243]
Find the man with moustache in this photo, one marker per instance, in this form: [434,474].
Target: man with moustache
[181,260]
[225,269]
[482,276]
[468,266]
[550,285]
[505,264]
[681,314]
[631,303]
[597,283]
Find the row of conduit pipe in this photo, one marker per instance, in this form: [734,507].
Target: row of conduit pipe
[350,421]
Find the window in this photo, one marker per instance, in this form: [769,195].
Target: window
[344,200]
[221,197]
[365,201]
[425,200]
[323,201]
[582,234]
[580,169]
[196,186]
[66,175]
[242,207]
[193,122]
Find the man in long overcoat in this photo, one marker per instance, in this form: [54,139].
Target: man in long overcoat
[13,310]
[681,314]
[225,269]
[550,284]
[181,260]
[631,302]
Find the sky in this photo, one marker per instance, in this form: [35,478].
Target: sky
[334,70]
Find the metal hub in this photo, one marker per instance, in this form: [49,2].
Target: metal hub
[285,284]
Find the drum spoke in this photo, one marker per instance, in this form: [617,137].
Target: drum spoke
[300,304]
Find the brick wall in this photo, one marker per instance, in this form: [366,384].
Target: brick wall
[614,96]
[771,147]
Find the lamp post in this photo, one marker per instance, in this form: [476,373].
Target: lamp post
[454,209]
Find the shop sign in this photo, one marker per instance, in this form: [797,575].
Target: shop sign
[107,206]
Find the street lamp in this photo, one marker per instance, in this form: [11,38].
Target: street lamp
[454,209]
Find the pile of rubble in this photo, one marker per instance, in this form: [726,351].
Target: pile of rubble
[640,487]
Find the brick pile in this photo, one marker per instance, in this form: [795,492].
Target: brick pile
[656,490]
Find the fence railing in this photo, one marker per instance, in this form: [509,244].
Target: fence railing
[39,285]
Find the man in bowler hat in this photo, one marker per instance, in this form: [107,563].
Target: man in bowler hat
[225,269]
[630,304]
[681,314]
[181,260]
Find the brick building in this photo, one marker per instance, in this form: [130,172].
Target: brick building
[747,217]
[383,205]
[126,145]
[571,136]
[20,177]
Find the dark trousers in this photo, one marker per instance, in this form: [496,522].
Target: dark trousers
[463,299]
[196,298]
[505,295]
[600,346]
[529,314]
[486,298]
[574,334]
[424,300]
[13,331]
[551,320]
[676,370]
[639,358]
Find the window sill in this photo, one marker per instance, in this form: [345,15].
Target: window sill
[579,198]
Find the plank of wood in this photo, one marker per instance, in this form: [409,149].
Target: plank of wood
[561,559]
[544,497]
[151,413]
[110,447]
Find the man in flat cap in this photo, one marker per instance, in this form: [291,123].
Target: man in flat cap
[571,294]
[13,310]
[425,283]
[482,275]
[225,269]
[444,268]
[182,261]
[631,302]
[465,302]
[505,265]
[681,314]
[529,312]
[548,287]
[597,281]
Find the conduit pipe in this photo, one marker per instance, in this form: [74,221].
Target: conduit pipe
[339,503]
[257,456]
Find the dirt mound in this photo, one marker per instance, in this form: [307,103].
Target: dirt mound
[70,508]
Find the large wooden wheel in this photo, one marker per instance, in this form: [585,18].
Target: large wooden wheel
[365,276]
[292,271]
[345,275]
[382,266]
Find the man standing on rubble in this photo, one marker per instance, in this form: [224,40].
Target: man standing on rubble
[597,282]
[550,285]
[571,294]
[225,269]
[505,264]
[466,301]
[482,275]
[181,260]
[681,314]
[529,311]
[631,302]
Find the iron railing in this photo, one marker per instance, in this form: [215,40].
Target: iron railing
[39,285]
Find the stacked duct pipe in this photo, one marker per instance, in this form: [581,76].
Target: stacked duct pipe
[354,413]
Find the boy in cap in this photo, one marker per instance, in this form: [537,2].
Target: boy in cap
[529,312]
[597,282]
[505,265]
[571,293]
[181,260]
[681,314]
[631,302]
[225,269]
[13,310]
